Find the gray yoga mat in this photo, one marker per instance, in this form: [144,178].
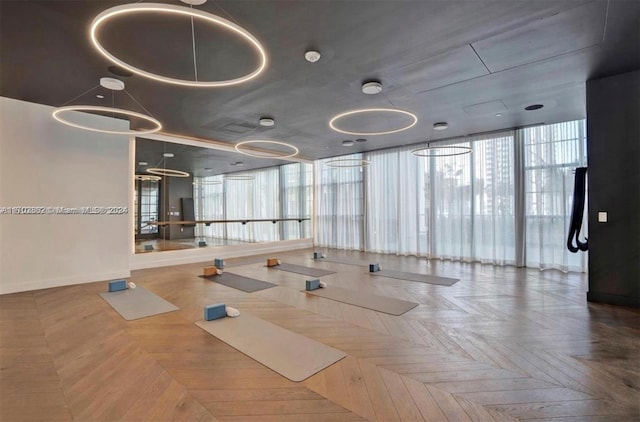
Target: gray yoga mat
[346,261]
[421,278]
[243,261]
[388,305]
[137,303]
[301,269]
[292,355]
[239,282]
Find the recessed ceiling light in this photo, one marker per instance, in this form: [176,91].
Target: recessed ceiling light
[440,126]
[168,154]
[267,121]
[361,140]
[371,87]
[312,56]
[347,143]
[100,96]
[142,163]
[533,107]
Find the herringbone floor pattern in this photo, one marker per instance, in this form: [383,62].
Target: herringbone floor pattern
[503,344]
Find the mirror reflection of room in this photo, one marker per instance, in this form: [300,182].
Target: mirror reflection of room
[188,197]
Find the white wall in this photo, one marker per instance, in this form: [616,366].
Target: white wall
[48,164]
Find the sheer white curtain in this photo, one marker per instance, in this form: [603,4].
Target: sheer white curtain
[296,199]
[209,205]
[396,218]
[552,153]
[339,205]
[253,199]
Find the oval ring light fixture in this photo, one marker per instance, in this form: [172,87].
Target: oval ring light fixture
[333,121]
[441,151]
[168,172]
[147,177]
[260,154]
[59,112]
[136,8]
[238,177]
[347,162]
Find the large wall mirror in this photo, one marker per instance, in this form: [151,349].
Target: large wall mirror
[189,197]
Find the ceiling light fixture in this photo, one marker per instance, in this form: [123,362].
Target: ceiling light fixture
[99,96]
[114,85]
[239,177]
[312,56]
[347,162]
[333,121]
[147,177]
[440,126]
[207,183]
[137,8]
[347,143]
[441,151]
[168,172]
[267,121]
[142,163]
[371,87]
[266,154]
[533,107]
[168,154]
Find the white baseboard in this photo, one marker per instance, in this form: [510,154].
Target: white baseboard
[25,286]
[190,256]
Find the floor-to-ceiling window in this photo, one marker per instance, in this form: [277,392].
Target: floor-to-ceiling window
[460,207]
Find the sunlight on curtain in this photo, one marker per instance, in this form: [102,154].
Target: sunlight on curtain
[209,205]
[339,205]
[552,153]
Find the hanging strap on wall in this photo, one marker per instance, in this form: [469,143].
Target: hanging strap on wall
[577,212]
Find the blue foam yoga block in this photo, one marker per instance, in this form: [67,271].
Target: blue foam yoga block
[374,268]
[219,263]
[317,255]
[202,243]
[148,247]
[215,311]
[313,284]
[117,285]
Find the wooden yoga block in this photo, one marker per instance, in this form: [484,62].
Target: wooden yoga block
[374,268]
[272,262]
[215,311]
[117,285]
[313,284]
[211,270]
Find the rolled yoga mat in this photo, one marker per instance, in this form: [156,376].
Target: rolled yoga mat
[292,355]
[421,278]
[388,305]
[137,303]
[301,269]
[239,282]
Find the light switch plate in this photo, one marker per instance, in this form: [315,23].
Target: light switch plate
[602,217]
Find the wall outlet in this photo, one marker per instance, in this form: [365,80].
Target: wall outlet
[602,217]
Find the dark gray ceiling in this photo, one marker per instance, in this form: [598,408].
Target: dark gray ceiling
[456,61]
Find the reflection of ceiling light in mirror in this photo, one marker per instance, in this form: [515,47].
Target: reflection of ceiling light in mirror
[208,183]
[441,151]
[142,8]
[168,172]
[168,155]
[333,121]
[371,87]
[347,162]
[142,163]
[312,56]
[440,126]
[347,143]
[266,154]
[147,177]
[267,121]
[238,177]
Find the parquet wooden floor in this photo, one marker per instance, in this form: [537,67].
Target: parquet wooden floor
[503,344]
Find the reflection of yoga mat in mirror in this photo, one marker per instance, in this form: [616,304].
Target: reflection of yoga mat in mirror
[137,303]
[239,282]
[292,355]
[388,305]
[301,269]
[420,278]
